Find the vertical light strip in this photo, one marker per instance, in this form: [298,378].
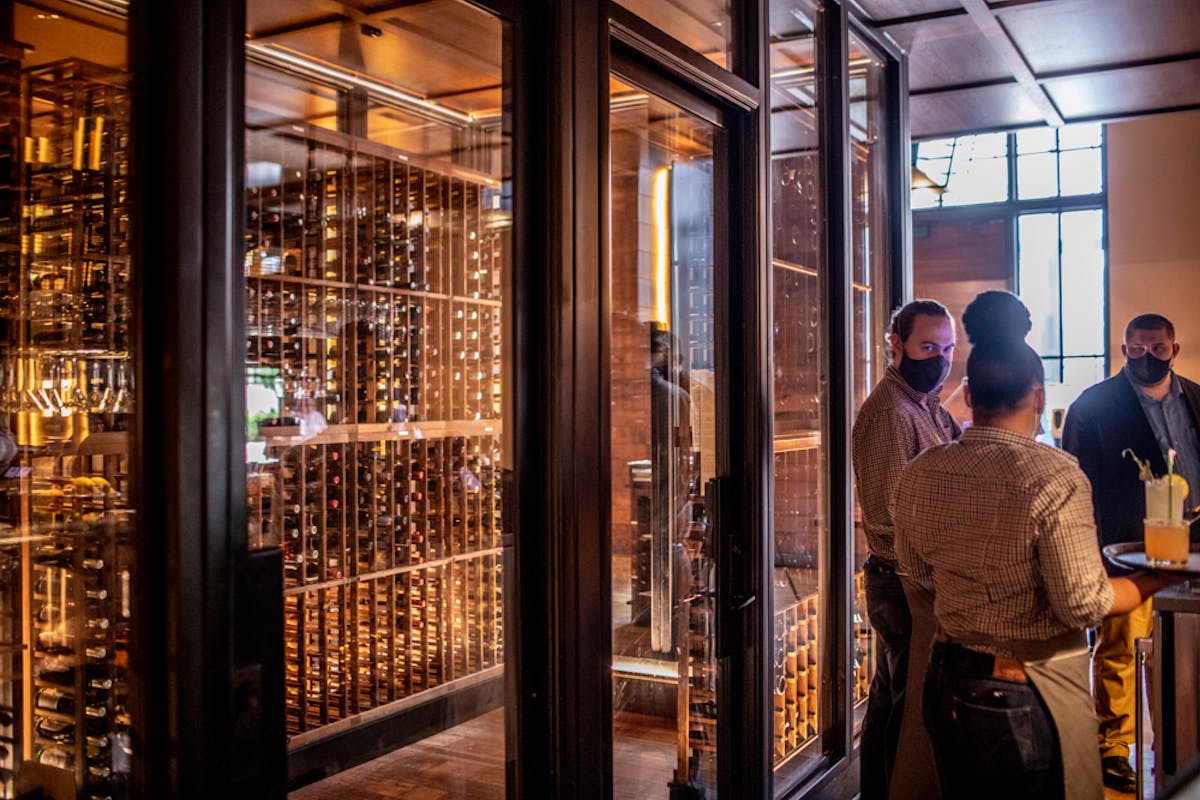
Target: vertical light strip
[659,198]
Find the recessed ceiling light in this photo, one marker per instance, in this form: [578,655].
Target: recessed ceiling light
[45,16]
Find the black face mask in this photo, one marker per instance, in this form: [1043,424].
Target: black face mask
[924,375]
[1148,370]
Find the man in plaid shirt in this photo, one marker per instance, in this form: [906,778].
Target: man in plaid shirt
[901,417]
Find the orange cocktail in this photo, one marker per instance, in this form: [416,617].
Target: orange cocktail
[1166,542]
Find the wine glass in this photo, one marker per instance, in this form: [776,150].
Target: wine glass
[93,396]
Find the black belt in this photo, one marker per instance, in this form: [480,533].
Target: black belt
[877,566]
[975,664]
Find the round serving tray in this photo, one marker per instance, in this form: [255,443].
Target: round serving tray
[1132,555]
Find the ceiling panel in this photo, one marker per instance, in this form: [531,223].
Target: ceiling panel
[1127,91]
[1073,34]
[947,51]
[461,43]
[894,9]
[981,109]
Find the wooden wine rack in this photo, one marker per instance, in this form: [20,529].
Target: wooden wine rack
[797,686]
[373,288]
[66,395]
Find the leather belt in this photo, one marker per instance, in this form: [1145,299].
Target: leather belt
[1002,668]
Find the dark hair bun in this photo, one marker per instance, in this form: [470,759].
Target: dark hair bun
[996,316]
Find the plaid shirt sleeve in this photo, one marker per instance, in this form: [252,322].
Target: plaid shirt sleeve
[883,443]
[1077,588]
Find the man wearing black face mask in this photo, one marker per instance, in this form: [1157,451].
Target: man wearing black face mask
[901,417]
[1148,409]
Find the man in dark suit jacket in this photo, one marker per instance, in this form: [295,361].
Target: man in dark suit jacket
[1148,409]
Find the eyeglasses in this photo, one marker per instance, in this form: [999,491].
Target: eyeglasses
[1162,350]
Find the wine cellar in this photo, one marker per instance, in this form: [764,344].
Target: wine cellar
[373,300]
[67,398]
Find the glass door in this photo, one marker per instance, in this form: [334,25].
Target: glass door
[66,404]
[665,439]
[800,593]
[378,225]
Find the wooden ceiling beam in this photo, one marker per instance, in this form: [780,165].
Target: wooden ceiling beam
[985,19]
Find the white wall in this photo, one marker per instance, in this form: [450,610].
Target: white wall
[1153,168]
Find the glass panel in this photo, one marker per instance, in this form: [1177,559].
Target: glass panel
[1054,369]
[1035,140]
[1071,137]
[706,26]
[1037,175]
[1038,279]
[984,145]
[936,148]
[801,523]
[1083,276]
[663,438]
[979,180]
[377,250]
[1081,172]
[66,393]
[871,263]
[1083,372]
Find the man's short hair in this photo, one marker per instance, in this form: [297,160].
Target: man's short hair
[1150,322]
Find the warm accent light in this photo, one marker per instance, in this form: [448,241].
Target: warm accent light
[659,198]
[920,180]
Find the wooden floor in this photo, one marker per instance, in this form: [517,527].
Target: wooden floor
[467,763]
[463,763]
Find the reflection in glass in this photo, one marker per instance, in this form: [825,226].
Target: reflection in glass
[66,404]
[376,254]
[663,447]
[801,528]
[871,264]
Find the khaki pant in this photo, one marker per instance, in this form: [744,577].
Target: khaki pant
[1113,666]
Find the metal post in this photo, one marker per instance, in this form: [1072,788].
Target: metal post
[1143,650]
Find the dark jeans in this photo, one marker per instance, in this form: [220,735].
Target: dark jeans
[888,612]
[992,738]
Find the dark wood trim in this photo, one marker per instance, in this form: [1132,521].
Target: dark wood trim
[1118,65]
[752,164]
[199,693]
[682,64]
[630,68]
[1114,117]
[835,278]
[998,211]
[880,40]
[891,22]
[994,5]
[577,631]
[899,189]
[960,87]
[744,712]
[529,662]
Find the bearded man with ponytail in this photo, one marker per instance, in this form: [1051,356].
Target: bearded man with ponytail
[1148,409]
[902,416]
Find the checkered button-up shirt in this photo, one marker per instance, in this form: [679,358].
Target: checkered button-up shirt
[894,424]
[1001,528]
